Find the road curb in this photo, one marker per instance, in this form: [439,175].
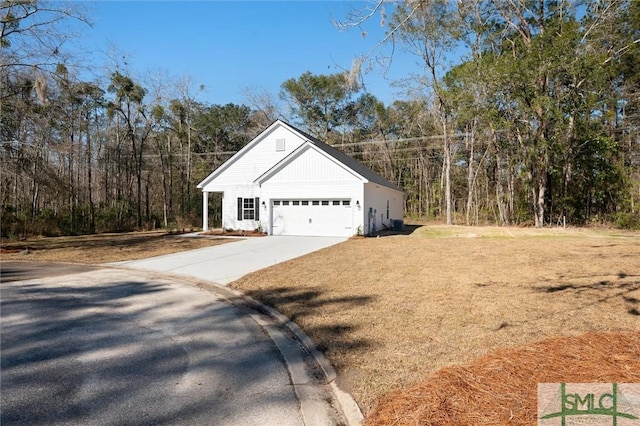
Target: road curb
[348,406]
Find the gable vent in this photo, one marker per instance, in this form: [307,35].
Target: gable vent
[280,144]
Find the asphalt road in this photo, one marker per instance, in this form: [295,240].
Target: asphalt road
[84,345]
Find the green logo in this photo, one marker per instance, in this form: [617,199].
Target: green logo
[588,403]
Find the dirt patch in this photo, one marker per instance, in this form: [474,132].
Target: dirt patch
[103,248]
[501,388]
[389,311]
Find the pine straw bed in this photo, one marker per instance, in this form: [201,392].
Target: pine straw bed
[501,388]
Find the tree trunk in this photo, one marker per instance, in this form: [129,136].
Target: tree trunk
[92,219]
[500,199]
[147,211]
[470,176]
[165,220]
[538,196]
[447,171]
[138,160]
[188,166]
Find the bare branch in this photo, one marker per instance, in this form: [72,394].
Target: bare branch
[31,32]
[359,19]
[599,18]
[620,51]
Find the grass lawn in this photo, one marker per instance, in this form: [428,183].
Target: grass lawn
[103,248]
[389,311]
[421,325]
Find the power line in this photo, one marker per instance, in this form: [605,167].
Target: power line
[416,138]
[340,146]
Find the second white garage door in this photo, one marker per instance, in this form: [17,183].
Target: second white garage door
[312,217]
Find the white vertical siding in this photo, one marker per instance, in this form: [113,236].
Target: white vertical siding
[376,197]
[236,179]
[311,165]
[257,160]
[312,175]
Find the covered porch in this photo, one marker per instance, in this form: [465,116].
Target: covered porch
[211,210]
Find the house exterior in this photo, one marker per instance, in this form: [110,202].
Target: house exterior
[286,182]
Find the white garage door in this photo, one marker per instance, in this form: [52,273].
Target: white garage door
[312,217]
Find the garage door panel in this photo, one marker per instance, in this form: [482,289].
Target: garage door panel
[312,217]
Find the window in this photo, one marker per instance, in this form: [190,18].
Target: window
[279,144]
[387,209]
[335,202]
[285,203]
[315,203]
[305,203]
[276,203]
[295,203]
[346,203]
[325,202]
[248,208]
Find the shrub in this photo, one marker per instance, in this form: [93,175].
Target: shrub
[627,220]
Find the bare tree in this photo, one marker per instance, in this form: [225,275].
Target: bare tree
[33,32]
[128,105]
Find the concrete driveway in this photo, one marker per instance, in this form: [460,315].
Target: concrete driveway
[84,345]
[228,262]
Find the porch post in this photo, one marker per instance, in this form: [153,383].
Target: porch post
[205,211]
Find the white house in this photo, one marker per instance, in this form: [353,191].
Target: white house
[286,182]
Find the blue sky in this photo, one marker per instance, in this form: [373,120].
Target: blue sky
[229,46]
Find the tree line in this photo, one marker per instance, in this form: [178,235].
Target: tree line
[538,120]
[536,123]
[80,158]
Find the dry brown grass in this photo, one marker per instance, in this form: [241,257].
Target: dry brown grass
[390,311]
[445,314]
[103,248]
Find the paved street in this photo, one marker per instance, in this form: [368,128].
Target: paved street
[109,346]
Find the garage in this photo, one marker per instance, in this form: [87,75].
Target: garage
[315,217]
[286,182]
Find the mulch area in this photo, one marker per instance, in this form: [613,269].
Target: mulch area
[5,250]
[501,388]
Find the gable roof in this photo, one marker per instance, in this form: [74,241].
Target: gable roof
[339,156]
[348,161]
[296,153]
[224,166]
